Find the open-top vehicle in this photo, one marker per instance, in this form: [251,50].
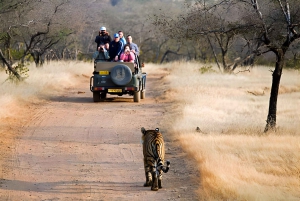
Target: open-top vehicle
[118,78]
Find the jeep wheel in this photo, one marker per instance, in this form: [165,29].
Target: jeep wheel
[136,96]
[121,74]
[96,96]
[143,94]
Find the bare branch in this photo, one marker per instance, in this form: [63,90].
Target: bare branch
[255,5]
[285,13]
[2,58]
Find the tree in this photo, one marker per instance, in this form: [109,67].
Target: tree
[204,24]
[272,25]
[35,24]
[44,29]
[275,23]
[6,8]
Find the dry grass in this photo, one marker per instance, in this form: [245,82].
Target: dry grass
[235,159]
[41,83]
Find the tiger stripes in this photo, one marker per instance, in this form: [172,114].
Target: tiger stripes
[154,156]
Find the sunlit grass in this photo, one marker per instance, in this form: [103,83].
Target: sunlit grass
[236,160]
[42,82]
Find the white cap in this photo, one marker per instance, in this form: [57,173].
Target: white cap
[102,29]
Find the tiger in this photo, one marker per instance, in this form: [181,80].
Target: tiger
[154,155]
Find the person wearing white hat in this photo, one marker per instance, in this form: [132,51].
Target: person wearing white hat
[103,37]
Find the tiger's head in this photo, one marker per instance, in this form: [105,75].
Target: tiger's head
[144,131]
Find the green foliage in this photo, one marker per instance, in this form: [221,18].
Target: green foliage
[17,55]
[207,69]
[293,64]
[64,33]
[22,70]
[3,36]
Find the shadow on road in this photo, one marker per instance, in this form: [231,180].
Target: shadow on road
[71,187]
[89,99]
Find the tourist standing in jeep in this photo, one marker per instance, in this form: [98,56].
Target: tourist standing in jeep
[133,47]
[122,37]
[103,37]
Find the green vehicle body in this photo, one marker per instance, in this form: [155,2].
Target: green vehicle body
[118,78]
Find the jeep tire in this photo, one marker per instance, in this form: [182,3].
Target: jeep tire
[96,96]
[103,95]
[121,74]
[137,96]
[143,94]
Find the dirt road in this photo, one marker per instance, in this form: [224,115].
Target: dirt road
[69,148]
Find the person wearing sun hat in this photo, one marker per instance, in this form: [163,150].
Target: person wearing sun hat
[115,48]
[103,37]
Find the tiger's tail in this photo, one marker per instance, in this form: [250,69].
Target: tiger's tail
[160,166]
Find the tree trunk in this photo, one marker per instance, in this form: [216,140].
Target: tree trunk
[214,53]
[168,52]
[37,58]
[2,58]
[225,66]
[8,48]
[271,119]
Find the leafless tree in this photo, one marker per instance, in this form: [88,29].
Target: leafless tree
[273,25]
[206,24]
[38,25]
[277,22]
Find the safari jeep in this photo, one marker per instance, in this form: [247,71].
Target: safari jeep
[118,78]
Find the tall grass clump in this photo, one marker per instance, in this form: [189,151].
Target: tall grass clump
[236,160]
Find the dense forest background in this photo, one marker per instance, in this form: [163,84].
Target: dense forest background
[47,30]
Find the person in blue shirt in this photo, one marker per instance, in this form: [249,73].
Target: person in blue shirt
[122,38]
[115,48]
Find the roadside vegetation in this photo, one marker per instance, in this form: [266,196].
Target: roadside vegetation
[231,33]
[219,121]
[217,118]
[34,89]
[234,76]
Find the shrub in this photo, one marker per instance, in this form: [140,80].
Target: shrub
[206,69]
[21,69]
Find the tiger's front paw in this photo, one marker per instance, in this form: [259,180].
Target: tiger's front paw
[154,189]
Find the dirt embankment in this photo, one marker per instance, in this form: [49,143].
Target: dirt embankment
[69,148]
